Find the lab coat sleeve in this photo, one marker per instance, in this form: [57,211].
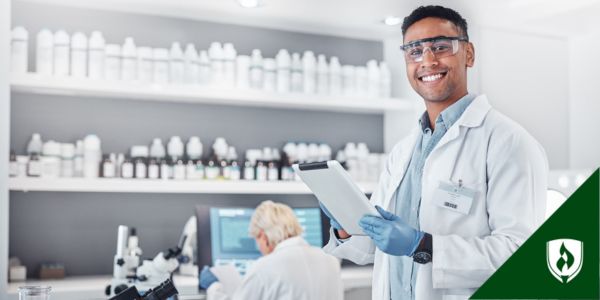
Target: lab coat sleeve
[252,288]
[517,171]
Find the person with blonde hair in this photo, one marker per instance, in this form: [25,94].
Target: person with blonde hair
[289,269]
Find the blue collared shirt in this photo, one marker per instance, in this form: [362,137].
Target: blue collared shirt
[407,198]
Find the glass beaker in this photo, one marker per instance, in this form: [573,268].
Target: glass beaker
[34,292]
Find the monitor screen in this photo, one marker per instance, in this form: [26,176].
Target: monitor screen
[223,236]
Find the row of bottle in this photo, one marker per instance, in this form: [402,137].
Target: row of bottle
[220,66]
[84,159]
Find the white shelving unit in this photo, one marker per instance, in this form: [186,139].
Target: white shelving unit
[118,185]
[397,116]
[67,86]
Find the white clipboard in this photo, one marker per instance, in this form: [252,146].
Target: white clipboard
[334,187]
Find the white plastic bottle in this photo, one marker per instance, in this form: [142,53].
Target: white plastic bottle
[92,156]
[242,73]
[175,148]
[157,149]
[51,159]
[176,68]
[256,69]
[35,144]
[112,67]
[62,48]
[322,75]
[335,77]
[373,79]
[215,52]
[270,75]
[284,64]
[145,64]
[205,69]
[385,77]
[96,55]
[309,68]
[44,53]
[229,55]
[296,74]
[67,165]
[194,168]
[348,81]
[79,51]
[19,50]
[191,65]
[78,159]
[161,65]
[362,81]
[129,60]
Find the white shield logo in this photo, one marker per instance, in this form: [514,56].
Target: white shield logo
[564,258]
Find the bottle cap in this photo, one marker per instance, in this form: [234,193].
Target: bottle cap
[97,40]
[20,33]
[61,37]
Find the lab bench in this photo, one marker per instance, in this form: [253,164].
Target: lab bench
[92,287]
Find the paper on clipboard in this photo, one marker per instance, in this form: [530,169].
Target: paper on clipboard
[334,187]
[229,278]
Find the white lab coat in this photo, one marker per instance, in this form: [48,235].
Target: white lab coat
[294,270]
[489,153]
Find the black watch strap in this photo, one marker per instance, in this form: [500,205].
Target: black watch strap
[424,252]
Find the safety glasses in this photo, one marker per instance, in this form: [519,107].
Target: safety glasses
[440,46]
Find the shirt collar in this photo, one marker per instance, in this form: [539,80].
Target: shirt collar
[449,115]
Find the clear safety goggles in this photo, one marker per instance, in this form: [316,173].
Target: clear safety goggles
[439,46]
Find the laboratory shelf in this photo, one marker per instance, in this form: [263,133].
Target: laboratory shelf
[119,185]
[67,86]
[92,287]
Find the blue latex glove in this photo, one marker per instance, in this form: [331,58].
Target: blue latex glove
[207,278]
[391,234]
[334,223]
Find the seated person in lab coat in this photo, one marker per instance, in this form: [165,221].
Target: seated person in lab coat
[289,269]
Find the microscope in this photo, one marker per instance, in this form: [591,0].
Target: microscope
[127,270]
[161,292]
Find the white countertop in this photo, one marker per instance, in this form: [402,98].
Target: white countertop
[92,287]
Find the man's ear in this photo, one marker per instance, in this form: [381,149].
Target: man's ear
[470,55]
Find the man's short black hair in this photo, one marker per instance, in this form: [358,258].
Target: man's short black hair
[436,11]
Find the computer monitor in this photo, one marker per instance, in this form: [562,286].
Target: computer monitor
[223,236]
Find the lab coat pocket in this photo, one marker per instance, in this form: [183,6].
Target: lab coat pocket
[457,294]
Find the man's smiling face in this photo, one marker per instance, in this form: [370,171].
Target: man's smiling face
[439,79]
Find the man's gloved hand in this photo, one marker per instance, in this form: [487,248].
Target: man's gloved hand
[332,220]
[391,234]
[207,278]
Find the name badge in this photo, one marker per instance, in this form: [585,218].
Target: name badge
[454,197]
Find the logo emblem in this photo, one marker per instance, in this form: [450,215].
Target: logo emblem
[564,258]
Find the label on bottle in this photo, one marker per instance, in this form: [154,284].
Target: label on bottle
[235,173]
[261,173]
[153,171]
[108,170]
[140,170]
[273,174]
[179,172]
[166,171]
[127,170]
[13,169]
[249,173]
[212,172]
[34,168]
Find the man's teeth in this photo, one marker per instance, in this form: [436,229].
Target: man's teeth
[432,77]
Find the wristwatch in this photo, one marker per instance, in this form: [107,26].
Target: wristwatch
[423,253]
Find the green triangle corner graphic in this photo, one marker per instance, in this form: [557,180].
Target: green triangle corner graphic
[531,272]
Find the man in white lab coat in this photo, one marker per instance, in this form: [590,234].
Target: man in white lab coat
[461,193]
[290,267]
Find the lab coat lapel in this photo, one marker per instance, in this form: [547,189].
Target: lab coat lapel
[402,158]
[472,117]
